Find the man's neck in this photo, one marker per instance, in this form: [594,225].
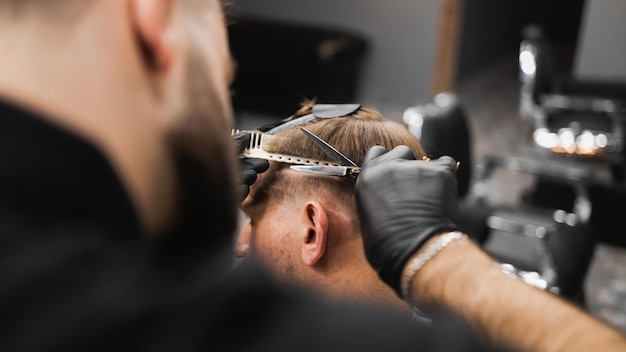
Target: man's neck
[357,281]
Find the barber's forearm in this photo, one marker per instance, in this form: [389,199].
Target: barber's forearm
[463,278]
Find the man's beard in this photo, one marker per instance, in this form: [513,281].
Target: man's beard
[205,163]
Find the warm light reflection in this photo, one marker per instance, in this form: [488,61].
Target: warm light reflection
[568,140]
[586,144]
[546,139]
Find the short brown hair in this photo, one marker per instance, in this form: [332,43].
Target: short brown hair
[352,135]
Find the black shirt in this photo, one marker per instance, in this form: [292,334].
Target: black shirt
[76,272]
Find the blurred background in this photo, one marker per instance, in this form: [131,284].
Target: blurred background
[395,55]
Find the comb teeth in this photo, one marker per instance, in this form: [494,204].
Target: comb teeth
[256,141]
[255,150]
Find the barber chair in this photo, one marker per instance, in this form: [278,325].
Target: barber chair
[549,248]
[582,119]
[442,128]
[578,121]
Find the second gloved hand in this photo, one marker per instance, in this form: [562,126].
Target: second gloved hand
[401,203]
[250,167]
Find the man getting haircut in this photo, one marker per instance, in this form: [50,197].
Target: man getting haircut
[303,227]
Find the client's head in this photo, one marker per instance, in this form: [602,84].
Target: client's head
[303,227]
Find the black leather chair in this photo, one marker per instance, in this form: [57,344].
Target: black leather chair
[580,121]
[441,126]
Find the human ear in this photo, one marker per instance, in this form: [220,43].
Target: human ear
[315,235]
[150,20]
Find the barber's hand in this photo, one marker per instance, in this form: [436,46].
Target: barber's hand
[249,167]
[401,203]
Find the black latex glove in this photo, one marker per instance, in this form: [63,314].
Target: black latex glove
[401,203]
[249,167]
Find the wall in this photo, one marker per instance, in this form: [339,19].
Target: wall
[491,30]
[399,67]
[601,52]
